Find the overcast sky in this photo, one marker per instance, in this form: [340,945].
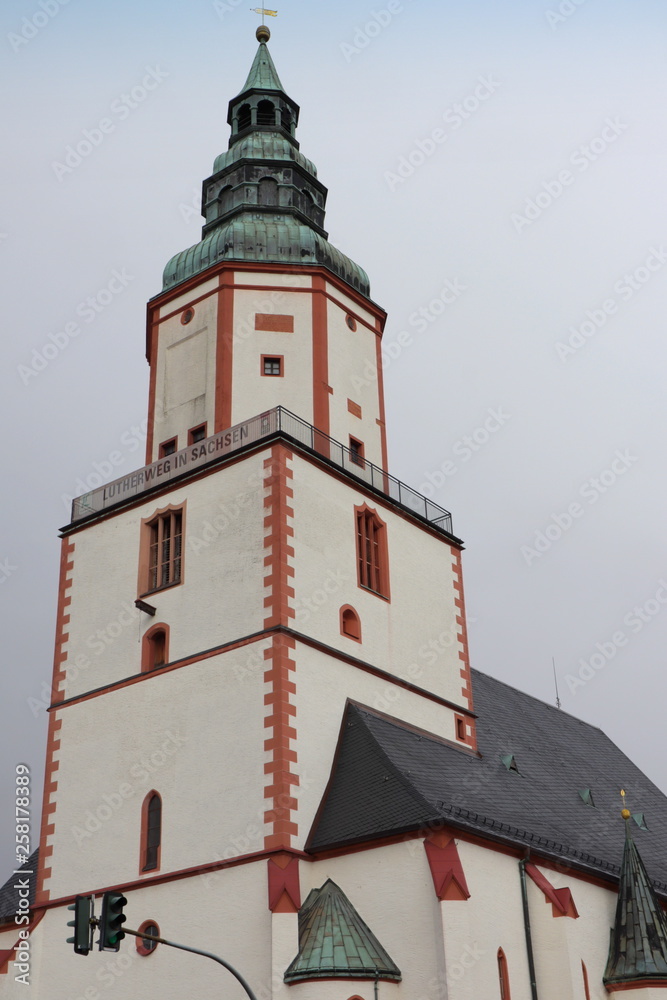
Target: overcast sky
[499,171]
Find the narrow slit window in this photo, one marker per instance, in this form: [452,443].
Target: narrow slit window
[357,452]
[152,832]
[155,649]
[503,976]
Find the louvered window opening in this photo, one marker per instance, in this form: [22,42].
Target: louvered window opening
[165,550]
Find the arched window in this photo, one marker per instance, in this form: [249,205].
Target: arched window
[503,976]
[350,623]
[268,191]
[151,832]
[225,200]
[266,113]
[286,119]
[144,945]
[155,652]
[244,117]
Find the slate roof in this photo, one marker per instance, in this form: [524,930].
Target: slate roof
[390,779]
[335,943]
[638,947]
[8,897]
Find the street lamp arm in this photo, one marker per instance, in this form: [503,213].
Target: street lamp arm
[194,951]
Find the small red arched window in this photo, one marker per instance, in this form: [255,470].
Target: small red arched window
[151,832]
[503,976]
[350,623]
[155,648]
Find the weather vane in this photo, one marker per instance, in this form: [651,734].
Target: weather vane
[262,10]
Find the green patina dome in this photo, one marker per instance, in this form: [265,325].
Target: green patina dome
[263,201]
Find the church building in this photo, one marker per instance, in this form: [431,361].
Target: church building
[265,729]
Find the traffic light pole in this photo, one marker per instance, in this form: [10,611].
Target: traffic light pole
[194,951]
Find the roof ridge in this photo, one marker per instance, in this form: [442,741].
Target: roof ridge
[540,701]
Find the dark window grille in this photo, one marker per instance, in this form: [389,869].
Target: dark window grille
[266,113]
[369,531]
[165,550]
[149,945]
[272,366]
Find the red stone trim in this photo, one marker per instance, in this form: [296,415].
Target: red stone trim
[354,408]
[274,322]
[55,722]
[584,974]
[281,745]
[503,975]
[382,422]
[224,359]
[307,640]
[321,418]
[462,637]
[284,888]
[279,592]
[449,879]
[151,355]
[561,899]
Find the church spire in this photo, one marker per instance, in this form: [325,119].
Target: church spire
[638,947]
[264,201]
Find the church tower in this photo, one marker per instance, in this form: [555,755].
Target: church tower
[222,608]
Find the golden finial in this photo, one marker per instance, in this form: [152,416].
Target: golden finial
[262,34]
[625,813]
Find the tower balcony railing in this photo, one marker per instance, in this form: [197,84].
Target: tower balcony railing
[243,435]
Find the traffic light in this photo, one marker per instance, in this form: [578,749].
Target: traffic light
[111,921]
[83,911]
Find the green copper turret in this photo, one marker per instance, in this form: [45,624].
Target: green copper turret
[263,201]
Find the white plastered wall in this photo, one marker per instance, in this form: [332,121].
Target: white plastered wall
[220,599]
[414,635]
[353,375]
[186,369]
[225,913]
[253,392]
[195,735]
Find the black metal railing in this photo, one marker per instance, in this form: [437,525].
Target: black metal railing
[278,420]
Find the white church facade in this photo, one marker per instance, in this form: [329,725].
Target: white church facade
[265,729]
